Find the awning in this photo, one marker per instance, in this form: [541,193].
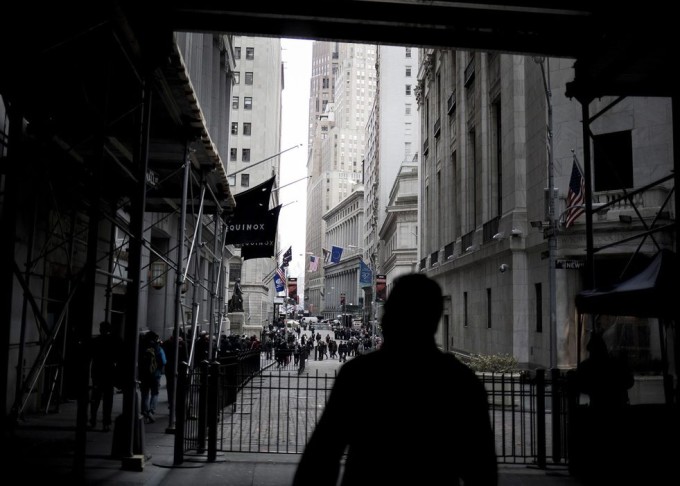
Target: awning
[651,293]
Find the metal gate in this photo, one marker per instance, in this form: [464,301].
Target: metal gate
[276,410]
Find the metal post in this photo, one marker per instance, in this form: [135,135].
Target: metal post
[179,282]
[552,224]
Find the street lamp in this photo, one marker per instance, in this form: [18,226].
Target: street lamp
[552,234]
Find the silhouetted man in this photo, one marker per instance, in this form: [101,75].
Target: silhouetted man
[429,421]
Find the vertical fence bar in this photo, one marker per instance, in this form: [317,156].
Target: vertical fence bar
[213,398]
[556,415]
[180,413]
[540,418]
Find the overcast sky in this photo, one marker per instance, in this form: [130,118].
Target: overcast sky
[297,62]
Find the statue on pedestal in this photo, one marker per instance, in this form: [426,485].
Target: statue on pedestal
[236,301]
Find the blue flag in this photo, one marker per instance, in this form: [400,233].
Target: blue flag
[336,253]
[279,278]
[365,274]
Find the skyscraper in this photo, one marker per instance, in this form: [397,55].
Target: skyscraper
[341,95]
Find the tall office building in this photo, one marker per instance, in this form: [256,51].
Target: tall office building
[342,91]
[392,147]
[255,141]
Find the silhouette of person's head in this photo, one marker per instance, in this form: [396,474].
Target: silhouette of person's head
[412,309]
[596,346]
[105,327]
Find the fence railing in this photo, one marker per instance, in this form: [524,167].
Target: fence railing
[263,405]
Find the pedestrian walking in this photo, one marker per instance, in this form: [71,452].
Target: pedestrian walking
[106,353]
[438,434]
[152,363]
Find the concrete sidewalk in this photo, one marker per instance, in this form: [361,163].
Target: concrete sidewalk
[42,449]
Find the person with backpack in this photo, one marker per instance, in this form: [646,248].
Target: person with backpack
[152,362]
[106,352]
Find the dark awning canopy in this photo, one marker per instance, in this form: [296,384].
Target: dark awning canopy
[651,293]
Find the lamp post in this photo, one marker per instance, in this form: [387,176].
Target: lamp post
[552,229]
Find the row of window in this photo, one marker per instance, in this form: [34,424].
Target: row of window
[247,102]
[245,155]
[250,53]
[538,297]
[248,78]
[245,180]
[247,128]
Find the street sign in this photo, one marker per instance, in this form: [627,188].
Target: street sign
[570,264]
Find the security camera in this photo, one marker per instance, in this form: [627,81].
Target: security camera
[503,268]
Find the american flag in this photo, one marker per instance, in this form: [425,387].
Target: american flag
[281,273]
[575,196]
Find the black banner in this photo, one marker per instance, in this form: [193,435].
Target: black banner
[263,248]
[252,221]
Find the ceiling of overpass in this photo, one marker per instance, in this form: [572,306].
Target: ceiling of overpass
[53,55]
[619,50]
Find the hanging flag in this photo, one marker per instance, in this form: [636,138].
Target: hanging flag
[576,195]
[255,199]
[380,288]
[336,254]
[280,279]
[249,222]
[326,256]
[313,263]
[365,274]
[287,257]
[263,246]
[292,288]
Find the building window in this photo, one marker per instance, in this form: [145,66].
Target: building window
[232,179]
[247,102]
[325,83]
[408,90]
[465,309]
[249,78]
[408,52]
[496,153]
[237,77]
[234,271]
[232,154]
[407,110]
[234,128]
[250,53]
[246,128]
[245,180]
[408,71]
[245,155]
[237,53]
[488,308]
[234,102]
[538,291]
[613,161]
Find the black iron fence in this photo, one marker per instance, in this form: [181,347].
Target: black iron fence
[248,403]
